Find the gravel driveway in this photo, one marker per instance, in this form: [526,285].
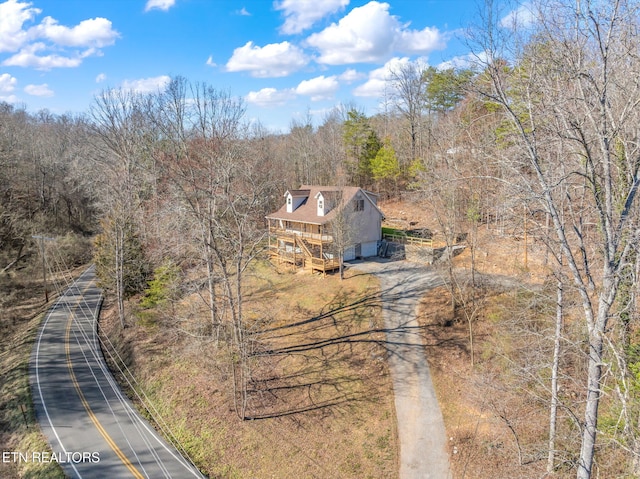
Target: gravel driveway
[421,431]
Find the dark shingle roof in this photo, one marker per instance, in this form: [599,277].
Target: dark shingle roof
[307,211]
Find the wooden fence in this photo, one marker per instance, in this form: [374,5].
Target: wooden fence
[412,240]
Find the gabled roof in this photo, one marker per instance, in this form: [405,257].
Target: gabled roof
[329,195]
[307,212]
[297,193]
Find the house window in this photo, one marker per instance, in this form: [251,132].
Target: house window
[289,200]
[320,204]
[359,206]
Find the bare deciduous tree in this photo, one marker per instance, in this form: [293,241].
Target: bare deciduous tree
[121,151]
[408,92]
[226,189]
[574,91]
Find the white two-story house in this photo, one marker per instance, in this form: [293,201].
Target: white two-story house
[318,224]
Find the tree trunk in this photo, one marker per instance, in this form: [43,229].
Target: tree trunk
[553,413]
[594,378]
[635,468]
[119,266]
[591,408]
[215,327]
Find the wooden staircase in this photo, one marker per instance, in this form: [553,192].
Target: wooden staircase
[303,246]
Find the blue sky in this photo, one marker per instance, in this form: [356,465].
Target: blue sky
[286,58]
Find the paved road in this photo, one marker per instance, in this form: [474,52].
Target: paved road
[421,431]
[93,429]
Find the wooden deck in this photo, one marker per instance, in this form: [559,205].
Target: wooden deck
[302,249]
[315,238]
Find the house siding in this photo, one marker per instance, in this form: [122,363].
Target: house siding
[349,253]
[369,249]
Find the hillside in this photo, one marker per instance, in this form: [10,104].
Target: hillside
[320,398]
[496,400]
[312,393]
[323,404]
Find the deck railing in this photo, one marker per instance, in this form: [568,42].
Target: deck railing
[327,238]
[324,264]
[300,258]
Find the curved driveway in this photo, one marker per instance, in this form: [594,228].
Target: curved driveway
[94,431]
[421,432]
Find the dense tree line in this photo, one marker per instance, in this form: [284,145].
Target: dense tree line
[44,158]
[569,99]
[43,184]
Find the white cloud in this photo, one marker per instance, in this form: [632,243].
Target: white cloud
[147,85]
[38,90]
[302,14]
[320,113]
[45,45]
[95,33]
[272,60]
[471,61]
[419,41]
[243,12]
[210,61]
[163,5]
[319,88]
[101,77]
[7,86]
[9,98]
[350,75]
[523,16]
[270,97]
[28,57]
[378,80]
[7,83]
[13,15]
[372,88]
[370,34]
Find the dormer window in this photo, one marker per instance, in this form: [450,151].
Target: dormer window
[295,198]
[320,205]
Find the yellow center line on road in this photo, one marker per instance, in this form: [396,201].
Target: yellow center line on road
[125,460]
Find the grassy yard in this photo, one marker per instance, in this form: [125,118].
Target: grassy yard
[320,393]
